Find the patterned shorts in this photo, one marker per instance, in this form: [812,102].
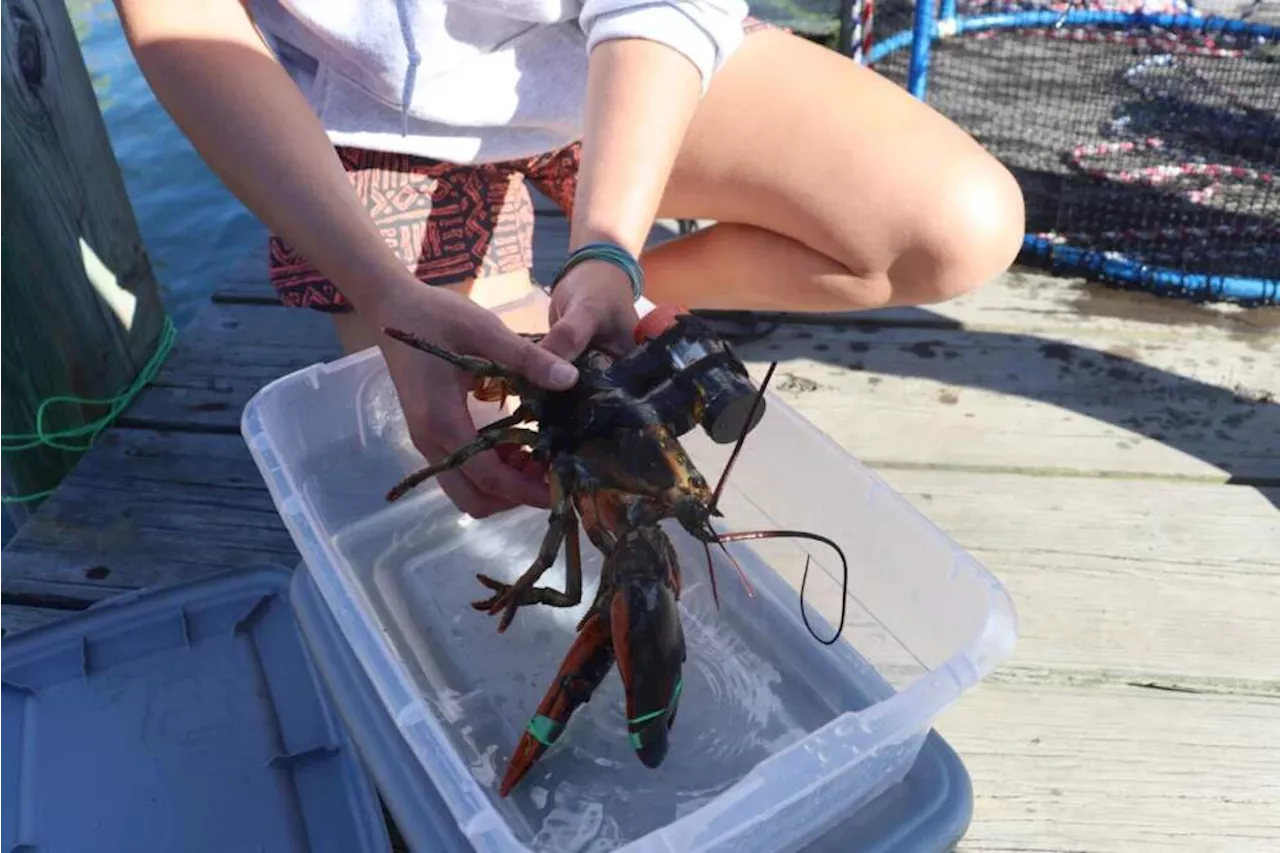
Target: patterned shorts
[447,223]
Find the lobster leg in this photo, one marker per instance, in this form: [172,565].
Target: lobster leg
[487,439]
[587,663]
[562,526]
[469,363]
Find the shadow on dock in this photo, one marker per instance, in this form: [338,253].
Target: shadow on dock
[1226,427]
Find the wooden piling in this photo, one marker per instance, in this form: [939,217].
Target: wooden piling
[82,311]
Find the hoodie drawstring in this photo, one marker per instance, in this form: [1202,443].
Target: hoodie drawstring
[415,59]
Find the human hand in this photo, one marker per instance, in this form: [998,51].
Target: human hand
[433,393]
[592,304]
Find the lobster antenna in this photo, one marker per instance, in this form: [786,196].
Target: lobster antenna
[724,477]
[742,575]
[722,538]
[711,572]
[742,438]
[804,580]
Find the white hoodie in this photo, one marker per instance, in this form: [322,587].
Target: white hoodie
[471,81]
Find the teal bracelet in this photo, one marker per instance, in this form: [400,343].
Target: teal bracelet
[612,253]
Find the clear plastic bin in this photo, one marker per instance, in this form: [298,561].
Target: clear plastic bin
[778,738]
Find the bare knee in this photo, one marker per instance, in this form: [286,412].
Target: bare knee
[972,234]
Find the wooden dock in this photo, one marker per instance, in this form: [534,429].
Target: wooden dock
[1114,458]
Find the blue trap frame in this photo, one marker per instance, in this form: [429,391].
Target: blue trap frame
[932,23]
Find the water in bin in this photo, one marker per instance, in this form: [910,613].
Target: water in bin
[758,688]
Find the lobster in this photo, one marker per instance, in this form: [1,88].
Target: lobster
[616,467]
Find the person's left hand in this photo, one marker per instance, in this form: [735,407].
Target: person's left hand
[592,305]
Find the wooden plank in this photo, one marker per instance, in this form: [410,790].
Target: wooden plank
[82,307]
[15,618]
[247,282]
[226,355]
[1127,580]
[1031,301]
[1063,770]
[991,400]
[1138,582]
[1078,402]
[148,507]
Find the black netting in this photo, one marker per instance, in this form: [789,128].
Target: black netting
[1138,147]
[1149,147]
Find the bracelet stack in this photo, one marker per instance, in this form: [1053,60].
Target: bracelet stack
[612,253]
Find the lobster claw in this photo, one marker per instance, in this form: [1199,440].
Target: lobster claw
[648,641]
[585,665]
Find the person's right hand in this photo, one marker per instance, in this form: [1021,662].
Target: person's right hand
[433,393]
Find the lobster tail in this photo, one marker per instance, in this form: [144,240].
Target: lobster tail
[648,642]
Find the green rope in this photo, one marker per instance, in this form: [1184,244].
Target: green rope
[61,439]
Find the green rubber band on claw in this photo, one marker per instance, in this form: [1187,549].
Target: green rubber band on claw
[653,715]
[544,729]
[644,718]
[612,253]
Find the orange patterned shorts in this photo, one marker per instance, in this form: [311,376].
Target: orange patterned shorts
[448,223]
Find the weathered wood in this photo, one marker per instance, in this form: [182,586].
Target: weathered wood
[148,507]
[247,283]
[1123,769]
[1053,374]
[82,309]
[1137,581]
[991,400]
[1032,301]
[227,354]
[15,618]
[1117,582]
[1128,580]
[1113,581]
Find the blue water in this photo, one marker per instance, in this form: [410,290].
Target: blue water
[195,231]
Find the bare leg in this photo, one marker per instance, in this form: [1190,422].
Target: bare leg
[353,333]
[356,335]
[835,190]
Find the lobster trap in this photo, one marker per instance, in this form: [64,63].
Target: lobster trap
[1145,137]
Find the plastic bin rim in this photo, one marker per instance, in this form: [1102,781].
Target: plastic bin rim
[993,644]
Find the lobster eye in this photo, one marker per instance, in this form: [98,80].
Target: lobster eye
[693,517]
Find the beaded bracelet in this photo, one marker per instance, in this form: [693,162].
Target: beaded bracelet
[612,253]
